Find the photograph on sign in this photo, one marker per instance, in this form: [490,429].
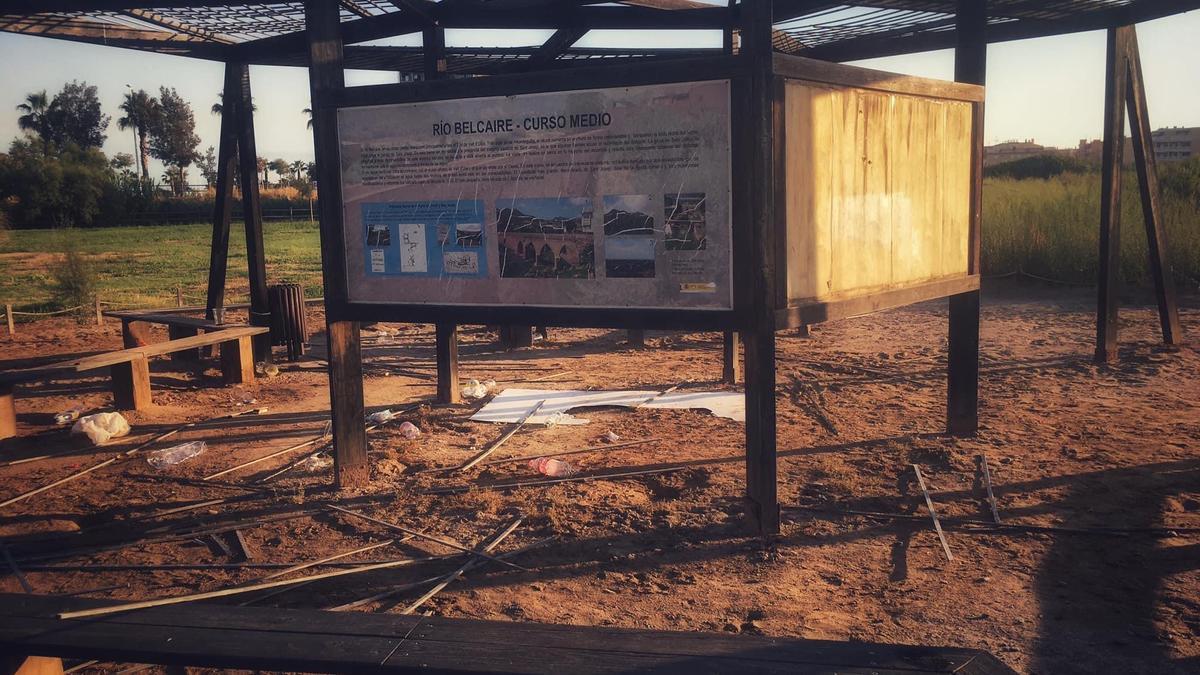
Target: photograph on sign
[616,197]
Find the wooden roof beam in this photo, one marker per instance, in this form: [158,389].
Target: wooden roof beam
[157,19]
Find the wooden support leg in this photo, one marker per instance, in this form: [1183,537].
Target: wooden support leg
[134,333]
[761,487]
[8,412]
[346,404]
[178,333]
[1147,169]
[30,665]
[731,359]
[636,339]
[447,363]
[1110,195]
[131,384]
[962,377]
[516,337]
[237,360]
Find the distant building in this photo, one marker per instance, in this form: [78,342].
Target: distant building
[1010,151]
[1176,144]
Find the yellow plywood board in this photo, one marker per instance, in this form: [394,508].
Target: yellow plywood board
[878,189]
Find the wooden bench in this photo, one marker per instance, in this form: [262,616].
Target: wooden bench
[259,638]
[130,370]
[135,327]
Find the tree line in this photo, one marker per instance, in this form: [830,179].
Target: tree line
[56,174]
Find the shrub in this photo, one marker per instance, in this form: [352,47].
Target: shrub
[74,281]
[1038,166]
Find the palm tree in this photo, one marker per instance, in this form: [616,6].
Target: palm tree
[308,111]
[33,116]
[219,107]
[141,109]
[297,169]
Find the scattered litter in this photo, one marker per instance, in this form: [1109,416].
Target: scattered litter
[557,418]
[409,431]
[511,404]
[263,368]
[474,389]
[175,454]
[552,467]
[610,437]
[66,417]
[381,416]
[101,427]
[318,462]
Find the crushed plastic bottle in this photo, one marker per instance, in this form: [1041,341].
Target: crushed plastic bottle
[176,454]
[409,431]
[474,389]
[264,369]
[318,461]
[610,437]
[67,416]
[552,467]
[557,418]
[381,416]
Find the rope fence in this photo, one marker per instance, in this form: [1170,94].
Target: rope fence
[97,308]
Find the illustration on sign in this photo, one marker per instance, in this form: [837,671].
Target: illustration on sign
[431,239]
[615,197]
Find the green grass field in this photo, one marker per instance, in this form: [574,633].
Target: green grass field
[1043,227]
[142,266]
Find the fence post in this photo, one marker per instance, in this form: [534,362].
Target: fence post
[179,296]
[8,315]
[99,313]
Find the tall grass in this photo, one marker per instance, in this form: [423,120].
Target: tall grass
[1051,227]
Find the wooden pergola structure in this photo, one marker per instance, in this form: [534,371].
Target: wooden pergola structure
[326,36]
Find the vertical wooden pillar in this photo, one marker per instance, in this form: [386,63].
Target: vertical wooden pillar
[447,363]
[8,411]
[760,139]
[516,337]
[1147,169]
[962,371]
[635,338]
[260,312]
[1110,195]
[223,208]
[731,357]
[131,384]
[433,52]
[326,78]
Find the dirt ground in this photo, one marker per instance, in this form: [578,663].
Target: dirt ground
[1108,455]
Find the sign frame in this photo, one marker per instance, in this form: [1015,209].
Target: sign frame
[341,308]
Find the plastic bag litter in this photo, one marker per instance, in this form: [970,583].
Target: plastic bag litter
[318,461]
[176,454]
[610,437]
[557,418]
[474,389]
[381,416]
[552,467]
[101,427]
[409,431]
[262,368]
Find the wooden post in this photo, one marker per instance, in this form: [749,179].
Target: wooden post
[731,358]
[260,312]
[16,664]
[99,312]
[516,337]
[179,333]
[326,77]
[131,384]
[237,360]
[1147,168]
[447,363]
[760,138]
[8,316]
[134,333]
[8,411]
[962,369]
[1110,194]
[179,295]
[635,338]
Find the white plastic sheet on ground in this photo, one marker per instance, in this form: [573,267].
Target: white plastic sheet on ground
[512,404]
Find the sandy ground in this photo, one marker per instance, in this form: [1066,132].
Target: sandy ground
[1107,452]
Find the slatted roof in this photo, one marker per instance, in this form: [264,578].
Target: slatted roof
[272,32]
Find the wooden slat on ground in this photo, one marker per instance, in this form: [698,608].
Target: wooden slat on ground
[314,641]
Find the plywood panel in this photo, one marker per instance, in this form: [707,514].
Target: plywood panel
[879,189]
